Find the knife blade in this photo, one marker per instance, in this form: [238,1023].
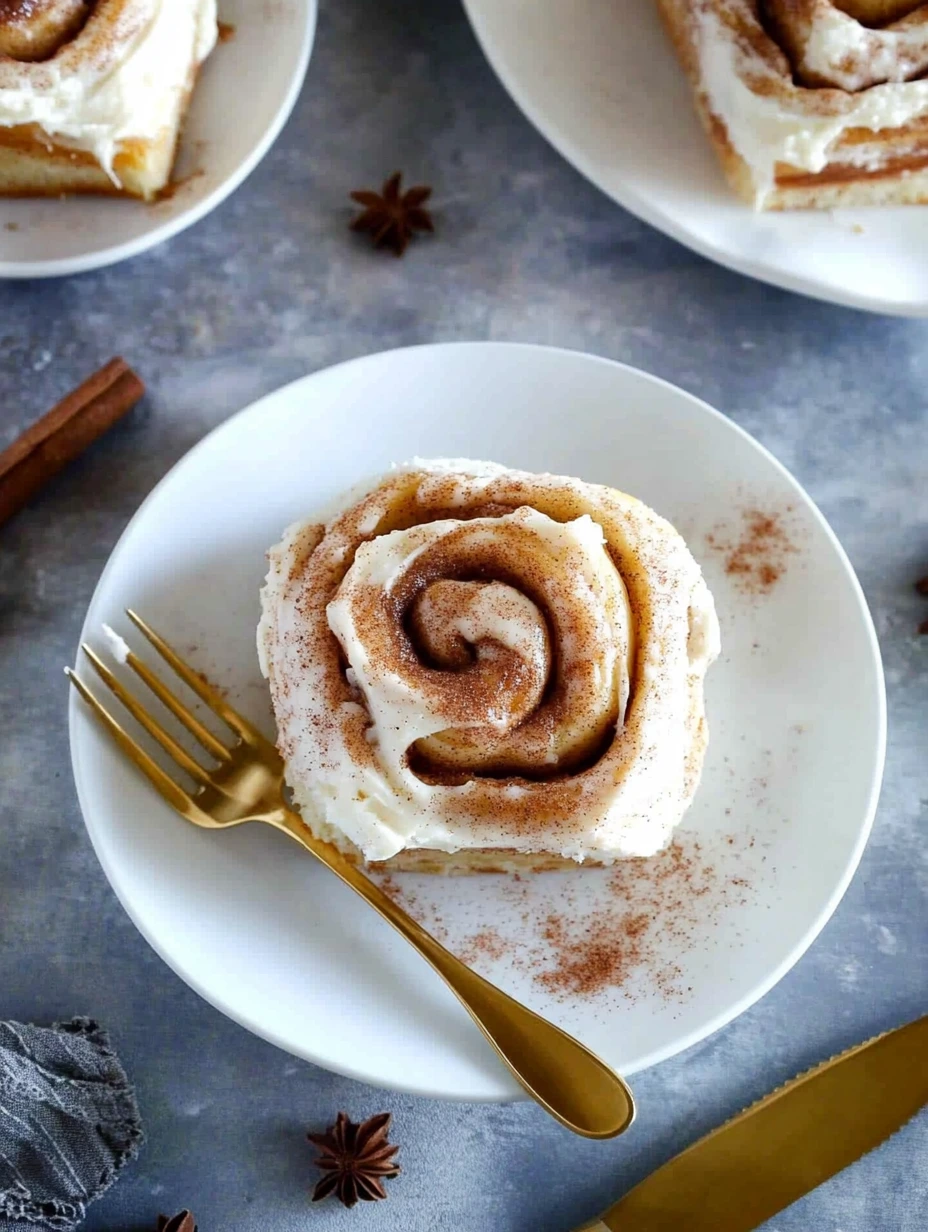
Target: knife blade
[786,1144]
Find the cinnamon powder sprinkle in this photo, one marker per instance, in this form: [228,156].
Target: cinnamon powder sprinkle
[487,944]
[653,910]
[586,964]
[758,557]
[619,932]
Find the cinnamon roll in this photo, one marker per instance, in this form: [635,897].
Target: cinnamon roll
[93,92]
[480,668]
[811,103]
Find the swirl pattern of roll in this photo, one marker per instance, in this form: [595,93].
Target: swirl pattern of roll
[851,44]
[93,92]
[477,667]
[36,29]
[811,103]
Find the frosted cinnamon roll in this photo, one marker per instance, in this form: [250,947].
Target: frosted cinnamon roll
[480,668]
[93,92]
[811,103]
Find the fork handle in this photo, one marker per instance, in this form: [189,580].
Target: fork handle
[563,1075]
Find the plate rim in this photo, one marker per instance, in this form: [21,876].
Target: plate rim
[65,266]
[504,1093]
[654,216]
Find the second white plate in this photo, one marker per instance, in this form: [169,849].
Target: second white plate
[674,947]
[599,80]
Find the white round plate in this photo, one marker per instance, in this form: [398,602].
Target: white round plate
[600,81]
[244,94]
[796,709]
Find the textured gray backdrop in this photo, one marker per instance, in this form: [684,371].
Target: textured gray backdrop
[271,286]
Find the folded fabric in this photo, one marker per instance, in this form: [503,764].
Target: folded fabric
[68,1123]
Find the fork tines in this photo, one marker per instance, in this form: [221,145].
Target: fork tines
[175,795]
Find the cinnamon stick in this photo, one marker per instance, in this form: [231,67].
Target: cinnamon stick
[66,431]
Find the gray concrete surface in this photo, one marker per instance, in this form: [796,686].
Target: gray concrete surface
[272,286]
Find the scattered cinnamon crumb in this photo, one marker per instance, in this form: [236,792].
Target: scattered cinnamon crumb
[655,909]
[598,958]
[485,944]
[11,226]
[226,32]
[757,559]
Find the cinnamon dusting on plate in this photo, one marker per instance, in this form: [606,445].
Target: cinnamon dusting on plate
[757,553]
[621,932]
[486,944]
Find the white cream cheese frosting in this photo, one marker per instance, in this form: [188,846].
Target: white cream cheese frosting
[120,78]
[470,657]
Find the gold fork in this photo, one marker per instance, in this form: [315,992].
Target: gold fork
[246,784]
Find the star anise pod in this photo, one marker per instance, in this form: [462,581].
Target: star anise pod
[356,1159]
[391,216]
[183,1222]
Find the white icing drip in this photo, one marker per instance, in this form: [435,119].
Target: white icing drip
[119,647]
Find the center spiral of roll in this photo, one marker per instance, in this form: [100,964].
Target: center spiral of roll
[36,29]
[484,628]
[43,42]
[509,637]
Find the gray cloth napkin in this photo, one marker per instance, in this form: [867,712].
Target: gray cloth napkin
[68,1123]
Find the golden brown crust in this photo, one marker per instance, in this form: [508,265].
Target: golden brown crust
[495,860]
[32,166]
[479,860]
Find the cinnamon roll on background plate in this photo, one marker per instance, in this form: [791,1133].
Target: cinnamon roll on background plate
[481,669]
[600,81]
[93,92]
[811,103]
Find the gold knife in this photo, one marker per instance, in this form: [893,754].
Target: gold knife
[785,1145]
